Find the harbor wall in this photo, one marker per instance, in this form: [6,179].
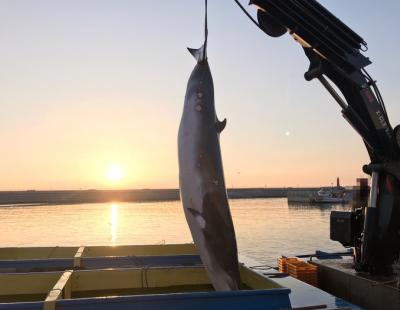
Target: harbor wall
[301,195]
[142,195]
[294,195]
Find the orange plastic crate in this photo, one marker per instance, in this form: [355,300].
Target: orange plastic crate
[283,261]
[303,271]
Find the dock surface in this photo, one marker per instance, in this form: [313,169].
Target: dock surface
[340,279]
[302,295]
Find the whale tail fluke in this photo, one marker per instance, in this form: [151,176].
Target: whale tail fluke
[199,54]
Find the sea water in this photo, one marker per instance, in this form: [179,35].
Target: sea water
[265,228]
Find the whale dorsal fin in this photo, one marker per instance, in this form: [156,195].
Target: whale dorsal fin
[220,125]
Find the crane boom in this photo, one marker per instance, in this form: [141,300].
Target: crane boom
[336,55]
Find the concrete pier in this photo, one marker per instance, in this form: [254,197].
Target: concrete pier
[340,279]
[138,195]
[304,195]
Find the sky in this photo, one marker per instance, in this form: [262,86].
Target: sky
[92,91]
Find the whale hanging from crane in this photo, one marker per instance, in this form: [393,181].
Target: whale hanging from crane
[201,178]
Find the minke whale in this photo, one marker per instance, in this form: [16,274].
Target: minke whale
[201,179]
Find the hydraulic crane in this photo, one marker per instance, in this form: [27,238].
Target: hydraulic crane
[336,56]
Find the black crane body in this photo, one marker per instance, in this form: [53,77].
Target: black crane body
[335,54]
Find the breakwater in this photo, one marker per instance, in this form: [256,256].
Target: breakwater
[137,195]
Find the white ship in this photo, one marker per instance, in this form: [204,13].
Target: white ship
[330,194]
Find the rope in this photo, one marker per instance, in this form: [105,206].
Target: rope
[205,30]
[248,14]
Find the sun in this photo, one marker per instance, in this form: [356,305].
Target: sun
[115,173]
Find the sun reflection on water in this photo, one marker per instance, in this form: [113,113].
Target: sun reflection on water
[114,222]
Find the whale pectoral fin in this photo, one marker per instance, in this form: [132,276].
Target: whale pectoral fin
[209,219]
[218,224]
[220,125]
[199,54]
[198,217]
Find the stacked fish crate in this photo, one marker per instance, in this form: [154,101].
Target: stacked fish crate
[283,261]
[298,269]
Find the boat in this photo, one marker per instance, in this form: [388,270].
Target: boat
[330,195]
[142,277]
